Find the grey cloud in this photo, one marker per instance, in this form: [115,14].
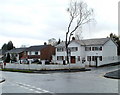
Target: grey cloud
[40,20]
[16,34]
[14,21]
[105,26]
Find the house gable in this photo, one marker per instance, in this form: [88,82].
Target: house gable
[111,41]
[110,48]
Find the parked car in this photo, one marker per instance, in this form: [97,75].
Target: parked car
[13,61]
[47,62]
[35,61]
[40,62]
[24,61]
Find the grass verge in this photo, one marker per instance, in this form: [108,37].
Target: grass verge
[44,71]
[17,70]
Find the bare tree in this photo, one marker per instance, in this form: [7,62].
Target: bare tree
[80,14]
[78,34]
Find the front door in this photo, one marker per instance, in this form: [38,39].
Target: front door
[72,59]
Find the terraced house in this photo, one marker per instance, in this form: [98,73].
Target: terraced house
[94,52]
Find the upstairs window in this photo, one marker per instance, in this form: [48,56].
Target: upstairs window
[36,53]
[60,49]
[33,53]
[96,48]
[100,48]
[87,48]
[73,49]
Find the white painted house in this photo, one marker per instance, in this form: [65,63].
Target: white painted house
[93,51]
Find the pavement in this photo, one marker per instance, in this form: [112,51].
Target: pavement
[113,74]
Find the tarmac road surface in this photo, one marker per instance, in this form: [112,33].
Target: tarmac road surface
[74,82]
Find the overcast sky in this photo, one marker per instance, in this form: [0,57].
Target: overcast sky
[33,22]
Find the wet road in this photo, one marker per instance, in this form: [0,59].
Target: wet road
[76,82]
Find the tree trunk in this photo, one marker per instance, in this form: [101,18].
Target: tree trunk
[67,55]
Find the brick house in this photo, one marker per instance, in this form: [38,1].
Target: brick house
[16,53]
[41,52]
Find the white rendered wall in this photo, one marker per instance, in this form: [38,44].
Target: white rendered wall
[94,53]
[73,53]
[109,49]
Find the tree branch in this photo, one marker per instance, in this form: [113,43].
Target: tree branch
[78,12]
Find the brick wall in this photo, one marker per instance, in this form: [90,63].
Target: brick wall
[47,53]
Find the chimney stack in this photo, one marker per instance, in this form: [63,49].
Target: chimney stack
[45,43]
[73,38]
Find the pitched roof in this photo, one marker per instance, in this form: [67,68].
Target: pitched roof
[87,42]
[98,41]
[62,44]
[16,50]
[2,52]
[36,48]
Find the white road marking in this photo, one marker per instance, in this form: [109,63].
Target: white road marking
[38,92]
[32,88]
[42,89]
